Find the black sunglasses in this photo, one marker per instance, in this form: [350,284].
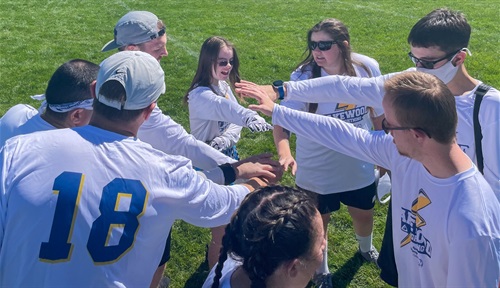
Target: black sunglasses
[427,64]
[387,129]
[160,33]
[224,63]
[322,45]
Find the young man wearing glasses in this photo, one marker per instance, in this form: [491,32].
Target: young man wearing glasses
[445,221]
[143,31]
[439,44]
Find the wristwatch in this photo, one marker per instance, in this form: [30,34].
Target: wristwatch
[278,88]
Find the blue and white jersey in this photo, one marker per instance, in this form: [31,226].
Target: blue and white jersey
[92,208]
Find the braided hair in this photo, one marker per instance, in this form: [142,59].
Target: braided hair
[272,226]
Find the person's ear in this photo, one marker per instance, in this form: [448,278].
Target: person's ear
[92,88]
[459,58]
[419,135]
[345,43]
[149,110]
[78,117]
[131,47]
[293,267]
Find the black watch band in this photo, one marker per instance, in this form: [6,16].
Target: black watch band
[229,173]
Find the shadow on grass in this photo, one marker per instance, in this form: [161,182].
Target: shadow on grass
[343,276]
[198,277]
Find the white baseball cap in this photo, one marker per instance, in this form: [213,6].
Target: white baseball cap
[135,27]
[140,74]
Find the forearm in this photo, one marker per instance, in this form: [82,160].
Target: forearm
[281,140]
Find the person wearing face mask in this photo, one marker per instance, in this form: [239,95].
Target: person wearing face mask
[438,45]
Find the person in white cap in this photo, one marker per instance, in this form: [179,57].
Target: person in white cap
[143,31]
[93,205]
[68,102]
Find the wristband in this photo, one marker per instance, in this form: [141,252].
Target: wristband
[229,173]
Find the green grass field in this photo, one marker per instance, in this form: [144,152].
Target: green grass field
[38,36]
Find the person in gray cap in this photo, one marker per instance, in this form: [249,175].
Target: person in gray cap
[93,205]
[140,31]
[143,31]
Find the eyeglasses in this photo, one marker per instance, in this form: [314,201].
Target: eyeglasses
[427,64]
[387,129]
[224,63]
[160,33]
[322,45]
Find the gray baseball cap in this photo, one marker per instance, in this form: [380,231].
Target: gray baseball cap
[140,74]
[135,27]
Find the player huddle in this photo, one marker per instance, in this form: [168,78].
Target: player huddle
[112,172]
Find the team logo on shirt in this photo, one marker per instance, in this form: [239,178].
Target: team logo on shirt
[412,223]
[349,113]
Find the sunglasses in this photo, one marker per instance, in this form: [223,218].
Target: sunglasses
[322,45]
[158,34]
[387,129]
[224,63]
[430,64]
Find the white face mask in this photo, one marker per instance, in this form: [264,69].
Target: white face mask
[445,72]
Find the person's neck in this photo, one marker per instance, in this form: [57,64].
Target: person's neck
[128,129]
[462,83]
[335,69]
[446,160]
[57,123]
[240,279]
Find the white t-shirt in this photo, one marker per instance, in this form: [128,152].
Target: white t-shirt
[92,208]
[370,91]
[159,130]
[325,171]
[21,119]
[212,115]
[446,232]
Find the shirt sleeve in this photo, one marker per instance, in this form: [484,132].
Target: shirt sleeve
[337,88]
[204,203]
[204,104]
[166,135]
[369,146]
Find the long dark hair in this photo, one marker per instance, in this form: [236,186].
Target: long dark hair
[272,226]
[208,61]
[338,31]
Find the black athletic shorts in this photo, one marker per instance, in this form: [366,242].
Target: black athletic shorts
[363,198]
[166,253]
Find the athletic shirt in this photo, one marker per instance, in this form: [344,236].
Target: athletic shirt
[446,232]
[21,119]
[320,169]
[92,208]
[212,115]
[159,130]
